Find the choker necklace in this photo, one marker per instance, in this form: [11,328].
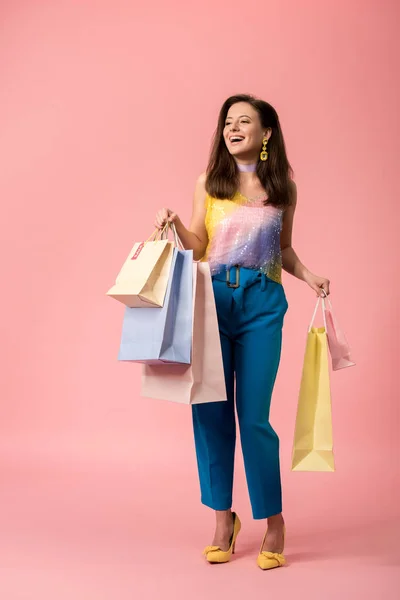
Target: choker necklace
[247,168]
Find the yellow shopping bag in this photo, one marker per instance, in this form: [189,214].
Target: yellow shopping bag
[143,279]
[312,447]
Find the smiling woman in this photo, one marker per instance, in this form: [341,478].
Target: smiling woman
[242,225]
[244,124]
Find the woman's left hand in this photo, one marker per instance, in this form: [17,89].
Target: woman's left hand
[318,284]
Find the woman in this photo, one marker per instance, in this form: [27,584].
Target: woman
[242,225]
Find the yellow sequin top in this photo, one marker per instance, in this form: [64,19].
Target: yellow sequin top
[244,232]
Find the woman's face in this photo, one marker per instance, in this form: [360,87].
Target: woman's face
[243,132]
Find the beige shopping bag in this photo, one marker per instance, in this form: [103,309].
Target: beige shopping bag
[203,380]
[143,279]
[312,447]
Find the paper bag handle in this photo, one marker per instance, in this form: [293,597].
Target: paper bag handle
[157,234]
[163,235]
[177,240]
[315,312]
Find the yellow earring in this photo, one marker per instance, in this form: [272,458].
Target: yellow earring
[264,153]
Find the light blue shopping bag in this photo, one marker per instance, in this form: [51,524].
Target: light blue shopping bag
[163,335]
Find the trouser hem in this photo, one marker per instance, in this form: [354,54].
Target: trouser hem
[265,514]
[217,506]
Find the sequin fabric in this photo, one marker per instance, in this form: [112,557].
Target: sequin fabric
[244,232]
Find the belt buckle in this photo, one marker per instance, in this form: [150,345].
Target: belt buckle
[228,278]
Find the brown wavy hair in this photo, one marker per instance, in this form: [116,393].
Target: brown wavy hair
[275,174]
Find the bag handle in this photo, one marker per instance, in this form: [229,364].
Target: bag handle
[329,303]
[315,313]
[157,234]
[177,240]
[163,235]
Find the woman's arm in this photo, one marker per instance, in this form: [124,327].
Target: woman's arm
[195,238]
[290,261]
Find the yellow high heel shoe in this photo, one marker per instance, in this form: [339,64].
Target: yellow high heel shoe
[270,560]
[214,554]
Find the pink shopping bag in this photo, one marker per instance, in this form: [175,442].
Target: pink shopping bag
[203,380]
[338,345]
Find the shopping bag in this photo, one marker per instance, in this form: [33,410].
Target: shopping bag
[312,447]
[159,335]
[203,380]
[337,342]
[143,279]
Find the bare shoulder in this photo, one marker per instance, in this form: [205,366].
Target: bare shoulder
[200,193]
[201,181]
[293,192]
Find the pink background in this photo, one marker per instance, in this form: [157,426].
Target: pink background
[106,114]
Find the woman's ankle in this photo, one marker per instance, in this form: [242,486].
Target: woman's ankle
[276,521]
[224,517]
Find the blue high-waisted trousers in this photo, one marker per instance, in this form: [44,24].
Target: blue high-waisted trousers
[250,321]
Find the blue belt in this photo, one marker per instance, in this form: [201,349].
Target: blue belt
[241,278]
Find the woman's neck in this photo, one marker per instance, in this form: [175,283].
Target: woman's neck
[247,167]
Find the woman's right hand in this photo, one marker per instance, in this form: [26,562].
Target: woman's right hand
[164,216]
